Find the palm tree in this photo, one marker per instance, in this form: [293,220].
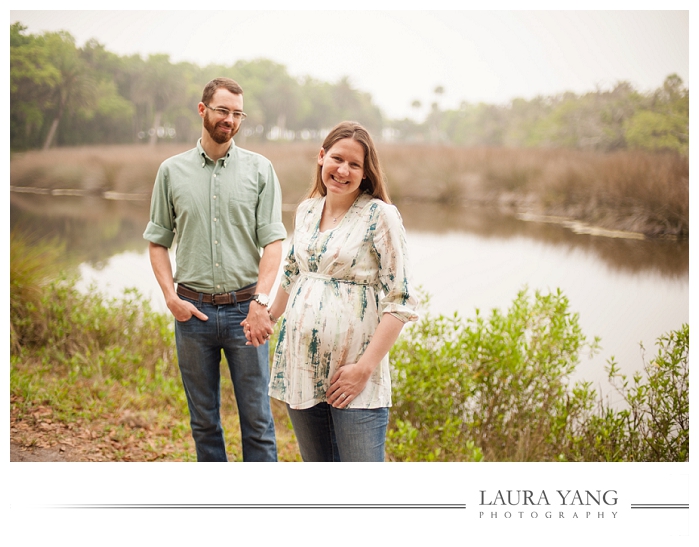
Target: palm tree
[74,86]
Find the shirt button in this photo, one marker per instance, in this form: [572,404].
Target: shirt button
[217,265]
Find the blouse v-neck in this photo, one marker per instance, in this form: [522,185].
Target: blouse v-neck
[336,226]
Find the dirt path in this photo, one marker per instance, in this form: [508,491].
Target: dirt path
[53,454]
[36,436]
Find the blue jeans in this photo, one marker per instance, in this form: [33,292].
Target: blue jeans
[199,345]
[328,434]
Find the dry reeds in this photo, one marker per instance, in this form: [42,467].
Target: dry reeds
[116,168]
[626,190]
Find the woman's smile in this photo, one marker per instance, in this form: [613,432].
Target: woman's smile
[342,166]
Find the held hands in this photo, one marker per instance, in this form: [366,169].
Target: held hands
[258,326]
[347,382]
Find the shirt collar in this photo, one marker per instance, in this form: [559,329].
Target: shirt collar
[204,156]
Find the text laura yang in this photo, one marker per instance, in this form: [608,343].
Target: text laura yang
[543,497]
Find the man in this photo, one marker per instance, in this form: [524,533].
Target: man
[224,205]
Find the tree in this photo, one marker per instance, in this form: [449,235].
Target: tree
[273,95]
[316,105]
[650,130]
[160,85]
[107,119]
[32,79]
[664,125]
[352,104]
[74,86]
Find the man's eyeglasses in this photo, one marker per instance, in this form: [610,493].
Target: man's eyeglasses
[224,113]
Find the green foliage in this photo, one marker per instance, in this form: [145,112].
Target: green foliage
[50,318]
[101,98]
[655,425]
[31,268]
[102,373]
[650,130]
[86,358]
[603,120]
[32,78]
[499,389]
[495,388]
[68,95]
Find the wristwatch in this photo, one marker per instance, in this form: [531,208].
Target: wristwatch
[262,299]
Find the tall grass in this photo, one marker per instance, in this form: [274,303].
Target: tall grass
[629,190]
[32,267]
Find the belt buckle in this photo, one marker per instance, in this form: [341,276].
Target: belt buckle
[221,298]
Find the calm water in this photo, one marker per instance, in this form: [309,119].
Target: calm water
[626,291]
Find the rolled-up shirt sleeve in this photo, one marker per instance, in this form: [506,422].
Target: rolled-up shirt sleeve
[391,248]
[161,226]
[270,227]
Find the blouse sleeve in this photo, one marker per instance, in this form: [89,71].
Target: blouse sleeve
[291,268]
[390,246]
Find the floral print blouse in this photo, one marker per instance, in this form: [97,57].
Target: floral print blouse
[340,282]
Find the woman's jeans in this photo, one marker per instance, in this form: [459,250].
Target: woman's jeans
[328,434]
[199,345]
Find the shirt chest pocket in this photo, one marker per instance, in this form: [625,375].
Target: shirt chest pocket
[242,204]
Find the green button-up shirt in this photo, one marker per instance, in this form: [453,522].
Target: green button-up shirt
[222,212]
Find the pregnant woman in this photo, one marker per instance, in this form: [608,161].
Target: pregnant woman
[345,296]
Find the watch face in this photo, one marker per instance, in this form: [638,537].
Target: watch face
[262,299]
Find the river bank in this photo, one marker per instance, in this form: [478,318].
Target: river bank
[635,193]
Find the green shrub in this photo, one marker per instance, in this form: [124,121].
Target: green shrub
[654,424]
[499,389]
[495,388]
[50,318]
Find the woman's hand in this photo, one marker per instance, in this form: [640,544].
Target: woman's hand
[348,382]
[257,326]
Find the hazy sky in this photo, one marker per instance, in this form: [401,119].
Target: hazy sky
[401,56]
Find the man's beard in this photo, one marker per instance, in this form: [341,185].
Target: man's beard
[220,137]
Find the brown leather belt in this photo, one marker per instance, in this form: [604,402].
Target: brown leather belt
[218,299]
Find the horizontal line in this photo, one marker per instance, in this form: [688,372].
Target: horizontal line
[659,506]
[257,506]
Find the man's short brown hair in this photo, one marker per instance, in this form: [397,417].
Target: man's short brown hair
[217,83]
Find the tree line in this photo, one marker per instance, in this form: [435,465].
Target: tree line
[65,95]
[604,120]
